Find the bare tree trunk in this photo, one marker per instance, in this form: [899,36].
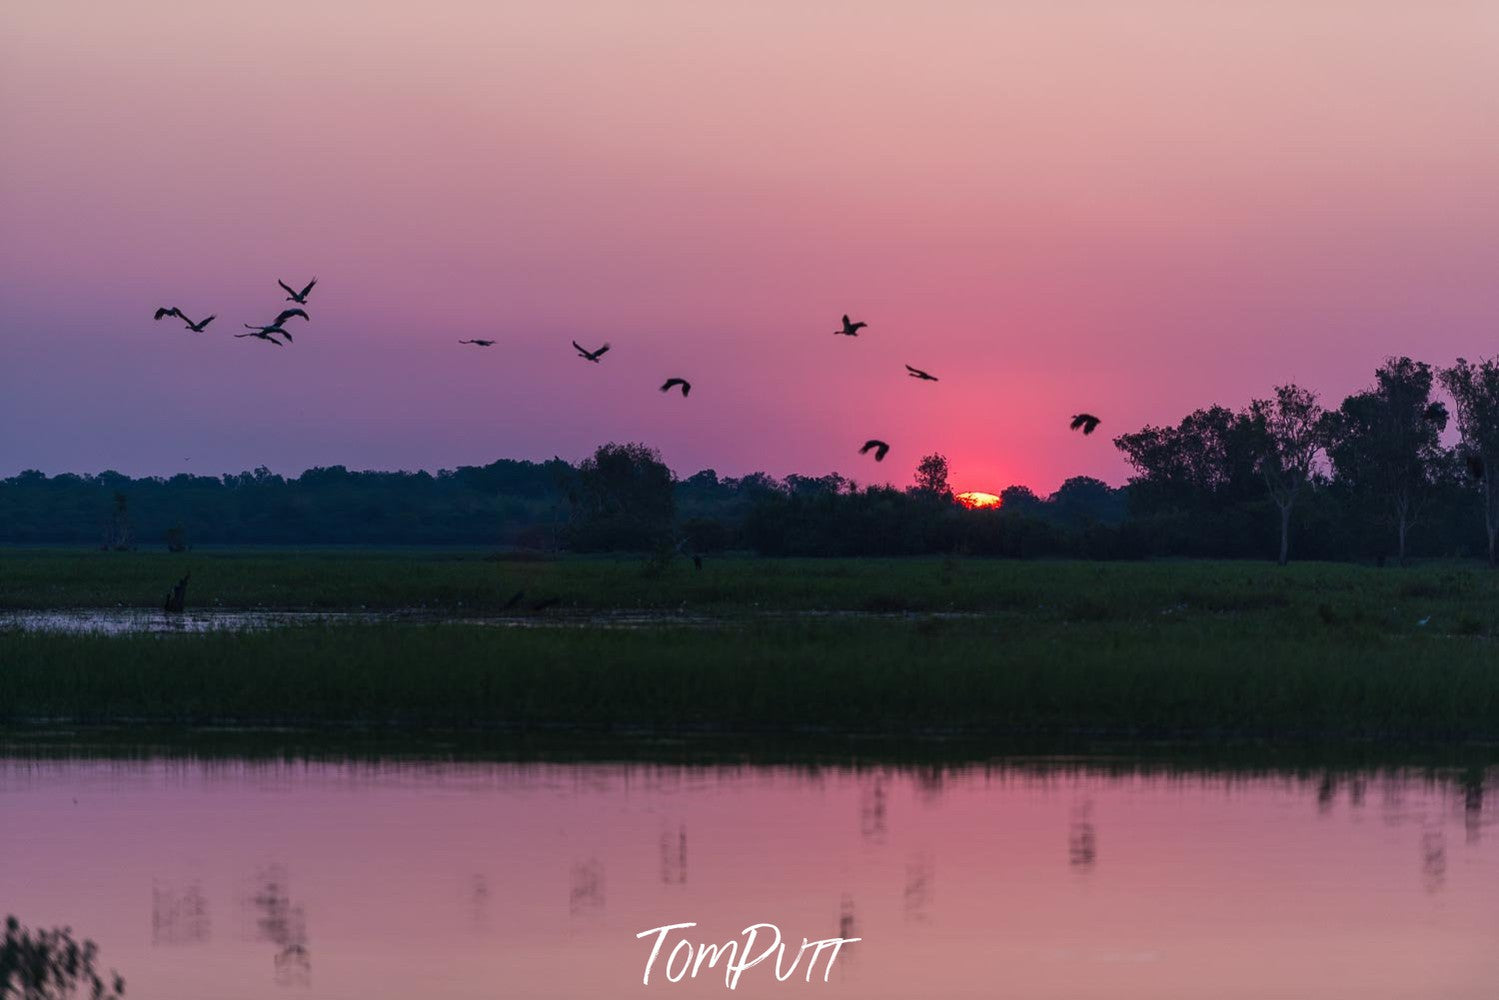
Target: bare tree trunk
[1400,530]
[1285,535]
[1488,514]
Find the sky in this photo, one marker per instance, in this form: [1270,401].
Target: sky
[1130,208]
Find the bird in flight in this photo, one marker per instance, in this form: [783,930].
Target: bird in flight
[1085,422]
[478,343]
[590,355]
[686,385]
[880,448]
[265,332]
[174,311]
[918,373]
[849,329]
[292,295]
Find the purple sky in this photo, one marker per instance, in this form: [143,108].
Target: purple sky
[1133,209]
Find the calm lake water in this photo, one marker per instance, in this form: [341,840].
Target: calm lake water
[1036,880]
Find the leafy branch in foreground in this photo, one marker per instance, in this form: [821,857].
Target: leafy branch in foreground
[51,965]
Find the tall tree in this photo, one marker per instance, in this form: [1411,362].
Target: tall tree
[624,498]
[1291,430]
[1385,443]
[1208,460]
[1475,394]
[931,475]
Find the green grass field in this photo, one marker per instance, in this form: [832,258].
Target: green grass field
[1461,597]
[1164,650]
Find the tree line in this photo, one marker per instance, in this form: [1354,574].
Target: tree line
[1369,480]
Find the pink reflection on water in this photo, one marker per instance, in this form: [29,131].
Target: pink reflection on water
[472,880]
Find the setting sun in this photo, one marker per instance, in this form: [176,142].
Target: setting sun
[976,499]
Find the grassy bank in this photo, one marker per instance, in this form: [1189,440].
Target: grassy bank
[1181,677]
[1459,597]
[1176,650]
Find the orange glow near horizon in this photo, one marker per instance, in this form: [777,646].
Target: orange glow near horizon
[977,499]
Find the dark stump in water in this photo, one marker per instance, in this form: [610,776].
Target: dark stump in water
[177,598]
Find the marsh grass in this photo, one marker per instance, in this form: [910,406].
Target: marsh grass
[1197,678]
[479,583]
[1189,650]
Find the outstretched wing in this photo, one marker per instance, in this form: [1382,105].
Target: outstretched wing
[207,321]
[165,311]
[846,322]
[601,351]
[308,290]
[287,314]
[289,289]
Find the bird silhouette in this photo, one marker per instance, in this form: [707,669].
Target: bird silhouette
[590,355]
[1086,422]
[686,385]
[300,298]
[263,332]
[918,373]
[266,334]
[880,448]
[478,343]
[164,312]
[849,329]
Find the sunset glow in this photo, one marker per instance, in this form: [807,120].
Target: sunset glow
[1133,209]
[976,499]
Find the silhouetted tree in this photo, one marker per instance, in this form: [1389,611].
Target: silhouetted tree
[1475,392]
[931,475]
[1291,432]
[52,965]
[1208,460]
[624,499]
[1384,443]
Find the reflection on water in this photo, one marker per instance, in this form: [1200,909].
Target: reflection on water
[674,857]
[587,892]
[282,923]
[178,916]
[1082,838]
[444,879]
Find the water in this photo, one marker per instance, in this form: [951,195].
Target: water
[401,880]
[142,621]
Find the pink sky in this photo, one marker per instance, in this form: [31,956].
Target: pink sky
[1130,208]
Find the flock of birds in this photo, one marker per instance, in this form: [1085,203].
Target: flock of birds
[268,333]
[1085,422]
